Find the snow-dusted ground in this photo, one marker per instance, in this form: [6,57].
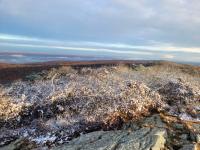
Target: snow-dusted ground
[64,102]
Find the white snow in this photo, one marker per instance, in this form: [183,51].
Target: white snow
[187,117]
[44,139]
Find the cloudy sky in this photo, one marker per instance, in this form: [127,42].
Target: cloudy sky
[132,29]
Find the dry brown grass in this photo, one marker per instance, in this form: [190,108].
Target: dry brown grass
[184,68]
[9,110]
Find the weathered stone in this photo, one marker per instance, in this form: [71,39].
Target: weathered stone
[196,127]
[130,126]
[154,121]
[188,147]
[19,144]
[195,132]
[184,136]
[178,126]
[144,139]
[191,147]
[151,135]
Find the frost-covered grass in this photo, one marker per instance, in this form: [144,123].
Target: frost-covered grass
[91,94]
[62,103]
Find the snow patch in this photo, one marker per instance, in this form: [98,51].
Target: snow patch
[187,117]
[44,139]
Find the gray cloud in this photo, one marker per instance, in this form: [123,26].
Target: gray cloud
[144,22]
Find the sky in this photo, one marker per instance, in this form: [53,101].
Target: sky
[128,29]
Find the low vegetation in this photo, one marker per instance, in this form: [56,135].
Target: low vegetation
[52,107]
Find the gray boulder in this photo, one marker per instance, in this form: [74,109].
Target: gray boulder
[143,139]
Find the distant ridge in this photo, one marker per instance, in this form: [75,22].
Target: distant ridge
[10,72]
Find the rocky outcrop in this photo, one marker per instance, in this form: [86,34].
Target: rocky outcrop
[144,138]
[149,134]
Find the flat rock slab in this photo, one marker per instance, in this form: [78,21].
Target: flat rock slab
[191,147]
[142,139]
